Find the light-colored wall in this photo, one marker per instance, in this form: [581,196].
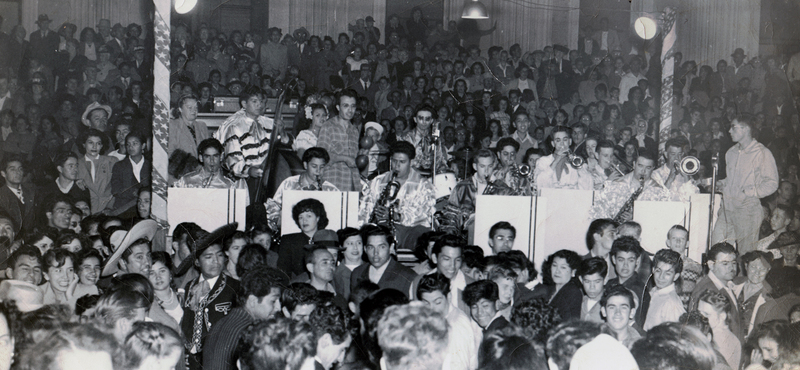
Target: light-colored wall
[83,13]
[324,17]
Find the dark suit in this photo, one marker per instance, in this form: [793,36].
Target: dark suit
[44,48]
[22,214]
[51,189]
[567,301]
[292,253]
[706,284]
[115,47]
[396,276]
[499,323]
[369,93]
[124,185]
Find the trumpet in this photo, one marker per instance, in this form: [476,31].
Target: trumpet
[520,171]
[688,165]
[387,199]
[575,160]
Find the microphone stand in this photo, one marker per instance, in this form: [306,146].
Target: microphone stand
[715,169]
[434,142]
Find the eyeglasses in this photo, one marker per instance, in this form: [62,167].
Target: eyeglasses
[425,119]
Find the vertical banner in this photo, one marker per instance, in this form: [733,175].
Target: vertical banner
[163,9]
[667,74]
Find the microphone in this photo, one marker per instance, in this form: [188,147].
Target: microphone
[435,131]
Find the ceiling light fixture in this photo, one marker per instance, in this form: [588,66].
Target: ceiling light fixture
[474,9]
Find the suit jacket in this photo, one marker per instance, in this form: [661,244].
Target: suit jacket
[499,323]
[124,185]
[369,93]
[592,314]
[292,254]
[396,276]
[215,310]
[567,300]
[51,188]
[706,284]
[22,214]
[115,47]
[100,187]
[44,48]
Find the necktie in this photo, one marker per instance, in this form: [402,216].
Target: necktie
[198,303]
[18,193]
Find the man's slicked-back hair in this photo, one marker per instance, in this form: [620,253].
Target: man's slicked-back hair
[481,289]
[722,247]
[276,344]
[502,225]
[298,294]
[669,257]
[673,346]
[567,337]
[331,320]
[618,291]
[412,337]
[596,227]
[432,283]
[593,265]
[535,317]
[447,240]
[260,281]
[626,244]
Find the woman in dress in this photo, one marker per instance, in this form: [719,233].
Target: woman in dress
[560,286]
[164,287]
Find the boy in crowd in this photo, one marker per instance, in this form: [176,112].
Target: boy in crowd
[665,305]
[592,274]
[625,255]
[481,297]
[501,237]
[678,240]
[298,301]
[619,308]
[332,335]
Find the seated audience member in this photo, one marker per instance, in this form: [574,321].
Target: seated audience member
[722,268]
[716,306]
[260,299]
[599,239]
[501,237]
[75,347]
[277,343]
[752,293]
[673,346]
[382,268]
[788,244]
[779,220]
[665,305]
[152,345]
[314,161]
[66,163]
[58,212]
[464,336]
[555,170]
[58,271]
[592,274]
[129,174]
[566,339]
[785,294]
[352,251]
[414,201]
[559,285]
[116,312]
[298,300]
[678,241]
[25,265]
[210,175]
[402,331]
[481,297]
[17,198]
[311,217]
[535,317]
[330,326]
[507,351]
[626,255]
[88,264]
[96,170]
[618,307]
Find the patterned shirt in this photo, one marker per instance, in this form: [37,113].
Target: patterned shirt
[202,179]
[246,144]
[275,203]
[340,138]
[571,178]
[616,192]
[681,189]
[416,198]
[424,153]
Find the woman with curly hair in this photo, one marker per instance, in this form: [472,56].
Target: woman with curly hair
[560,286]
[310,216]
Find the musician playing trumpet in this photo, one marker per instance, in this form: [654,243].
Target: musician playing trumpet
[411,208]
[616,193]
[508,170]
[678,182]
[315,160]
[562,169]
[601,164]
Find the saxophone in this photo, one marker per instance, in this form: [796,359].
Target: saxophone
[490,188]
[387,199]
[319,182]
[629,203]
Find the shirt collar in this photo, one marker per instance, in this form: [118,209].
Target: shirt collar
[663,291]
[717,282]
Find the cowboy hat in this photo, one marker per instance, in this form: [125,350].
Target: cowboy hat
[203,243]
[121,240]
[92,107]
[27,296]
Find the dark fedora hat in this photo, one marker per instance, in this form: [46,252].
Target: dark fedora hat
[204,242]
[785,239]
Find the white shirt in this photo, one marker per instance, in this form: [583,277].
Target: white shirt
[65,189]
[91,161]
[375,274]
[5,130]
[137,168]
[3,100]
[464,339]
[211,282]
[17,192]
[665,306]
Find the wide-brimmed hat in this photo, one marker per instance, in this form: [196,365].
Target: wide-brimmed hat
[206,241]
[738,52]
[104,23]
[375,125]
[235,82]
[28,297]
[561,48]
[323,238]
[121,240]
[43,18]
[90,108]
[369,19]
[785,239]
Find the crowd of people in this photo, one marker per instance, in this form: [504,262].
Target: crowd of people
[91,281]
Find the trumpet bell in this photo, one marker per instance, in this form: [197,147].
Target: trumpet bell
[690,165]
[524,170]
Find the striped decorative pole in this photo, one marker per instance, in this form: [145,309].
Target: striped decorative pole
[667,74]
[161,113]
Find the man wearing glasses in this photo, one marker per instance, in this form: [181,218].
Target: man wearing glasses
[210,175]
[752,175]
[422,138]
[721,271]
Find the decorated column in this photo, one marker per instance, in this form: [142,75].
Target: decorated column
[160,112]
[667,74]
